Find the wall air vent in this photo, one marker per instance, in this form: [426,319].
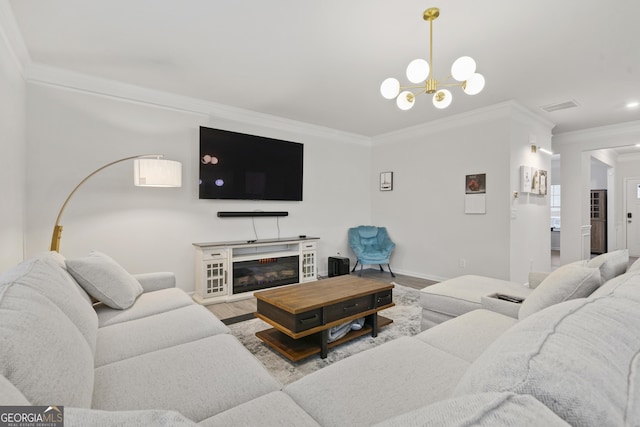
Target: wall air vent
[559,106]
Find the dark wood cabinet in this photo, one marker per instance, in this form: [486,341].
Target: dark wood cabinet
[598,221]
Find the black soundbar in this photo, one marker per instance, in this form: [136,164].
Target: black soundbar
[233,214]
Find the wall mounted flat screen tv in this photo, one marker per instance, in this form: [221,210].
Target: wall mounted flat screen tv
[248,167]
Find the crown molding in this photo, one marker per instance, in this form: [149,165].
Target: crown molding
[74,81]
[12,37]
[603,136]
[507,109]
[631,157]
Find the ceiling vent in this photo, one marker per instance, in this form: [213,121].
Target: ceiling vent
[559,106]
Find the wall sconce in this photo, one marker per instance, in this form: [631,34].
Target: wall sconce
[534,149]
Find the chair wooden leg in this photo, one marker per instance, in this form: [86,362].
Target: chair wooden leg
[354,267]
[381,269]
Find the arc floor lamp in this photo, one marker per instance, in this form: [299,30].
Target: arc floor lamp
[150,170]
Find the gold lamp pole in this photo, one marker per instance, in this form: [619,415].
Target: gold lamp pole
[171,177]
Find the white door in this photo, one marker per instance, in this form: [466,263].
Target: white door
[632,214]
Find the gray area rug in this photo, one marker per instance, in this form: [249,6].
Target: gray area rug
[406,321]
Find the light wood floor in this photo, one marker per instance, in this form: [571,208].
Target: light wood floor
[242,307]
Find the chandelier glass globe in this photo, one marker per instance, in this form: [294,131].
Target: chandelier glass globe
[463,68]
[442,99]
[474,84]
[390,88]
[405,100]
[418,71]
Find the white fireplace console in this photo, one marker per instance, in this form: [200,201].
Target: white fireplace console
[230,271]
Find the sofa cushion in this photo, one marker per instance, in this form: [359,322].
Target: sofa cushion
[567,282]
[486,409]
[395,377]
[621,286]
[156,281]
[611,264]
[147,304]
[10,395]
[199,379]
[273,409]
[80,417]
[45,274]
[42,352]
[473,332]
[105,280]
[128,339]
[580,358]
[462,294]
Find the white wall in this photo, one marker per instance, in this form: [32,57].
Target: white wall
[425,211]
[530,213]
[598,174]
[12,157]
[71,133]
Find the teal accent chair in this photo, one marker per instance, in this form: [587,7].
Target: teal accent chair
[371,245]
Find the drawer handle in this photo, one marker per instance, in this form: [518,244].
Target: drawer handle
[384,298]
[309,319]
[350,307]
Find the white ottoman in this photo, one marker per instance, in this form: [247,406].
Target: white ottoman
[453,297]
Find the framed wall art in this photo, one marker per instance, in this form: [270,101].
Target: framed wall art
[475,197]
[533,180]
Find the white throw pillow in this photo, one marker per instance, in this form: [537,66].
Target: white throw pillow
[611,264]
[105,280]
[567,282]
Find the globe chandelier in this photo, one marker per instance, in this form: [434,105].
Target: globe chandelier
[420,72]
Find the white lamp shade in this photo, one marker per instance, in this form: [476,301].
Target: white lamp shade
[390,88]
[405,100]
[418,71]
[157,173]
[463,68]
[442,98]
[474,84]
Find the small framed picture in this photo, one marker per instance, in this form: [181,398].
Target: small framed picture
[386,181]
[475,184]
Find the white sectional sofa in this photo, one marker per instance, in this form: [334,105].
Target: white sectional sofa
[454,297]
[163,360]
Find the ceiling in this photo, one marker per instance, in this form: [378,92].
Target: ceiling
[322,62]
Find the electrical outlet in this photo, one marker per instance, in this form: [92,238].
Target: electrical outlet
[462,263]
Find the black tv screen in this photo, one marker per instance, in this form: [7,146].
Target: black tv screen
[239,166]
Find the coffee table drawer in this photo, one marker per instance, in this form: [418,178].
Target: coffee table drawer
[348,308]
[384,298]
[293,322]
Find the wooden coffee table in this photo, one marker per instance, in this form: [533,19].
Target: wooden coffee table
[302,314]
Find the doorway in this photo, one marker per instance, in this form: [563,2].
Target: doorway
[632,215]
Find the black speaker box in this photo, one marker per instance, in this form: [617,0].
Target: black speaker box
[338,266]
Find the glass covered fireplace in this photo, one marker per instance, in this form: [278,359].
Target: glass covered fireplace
[265,273]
